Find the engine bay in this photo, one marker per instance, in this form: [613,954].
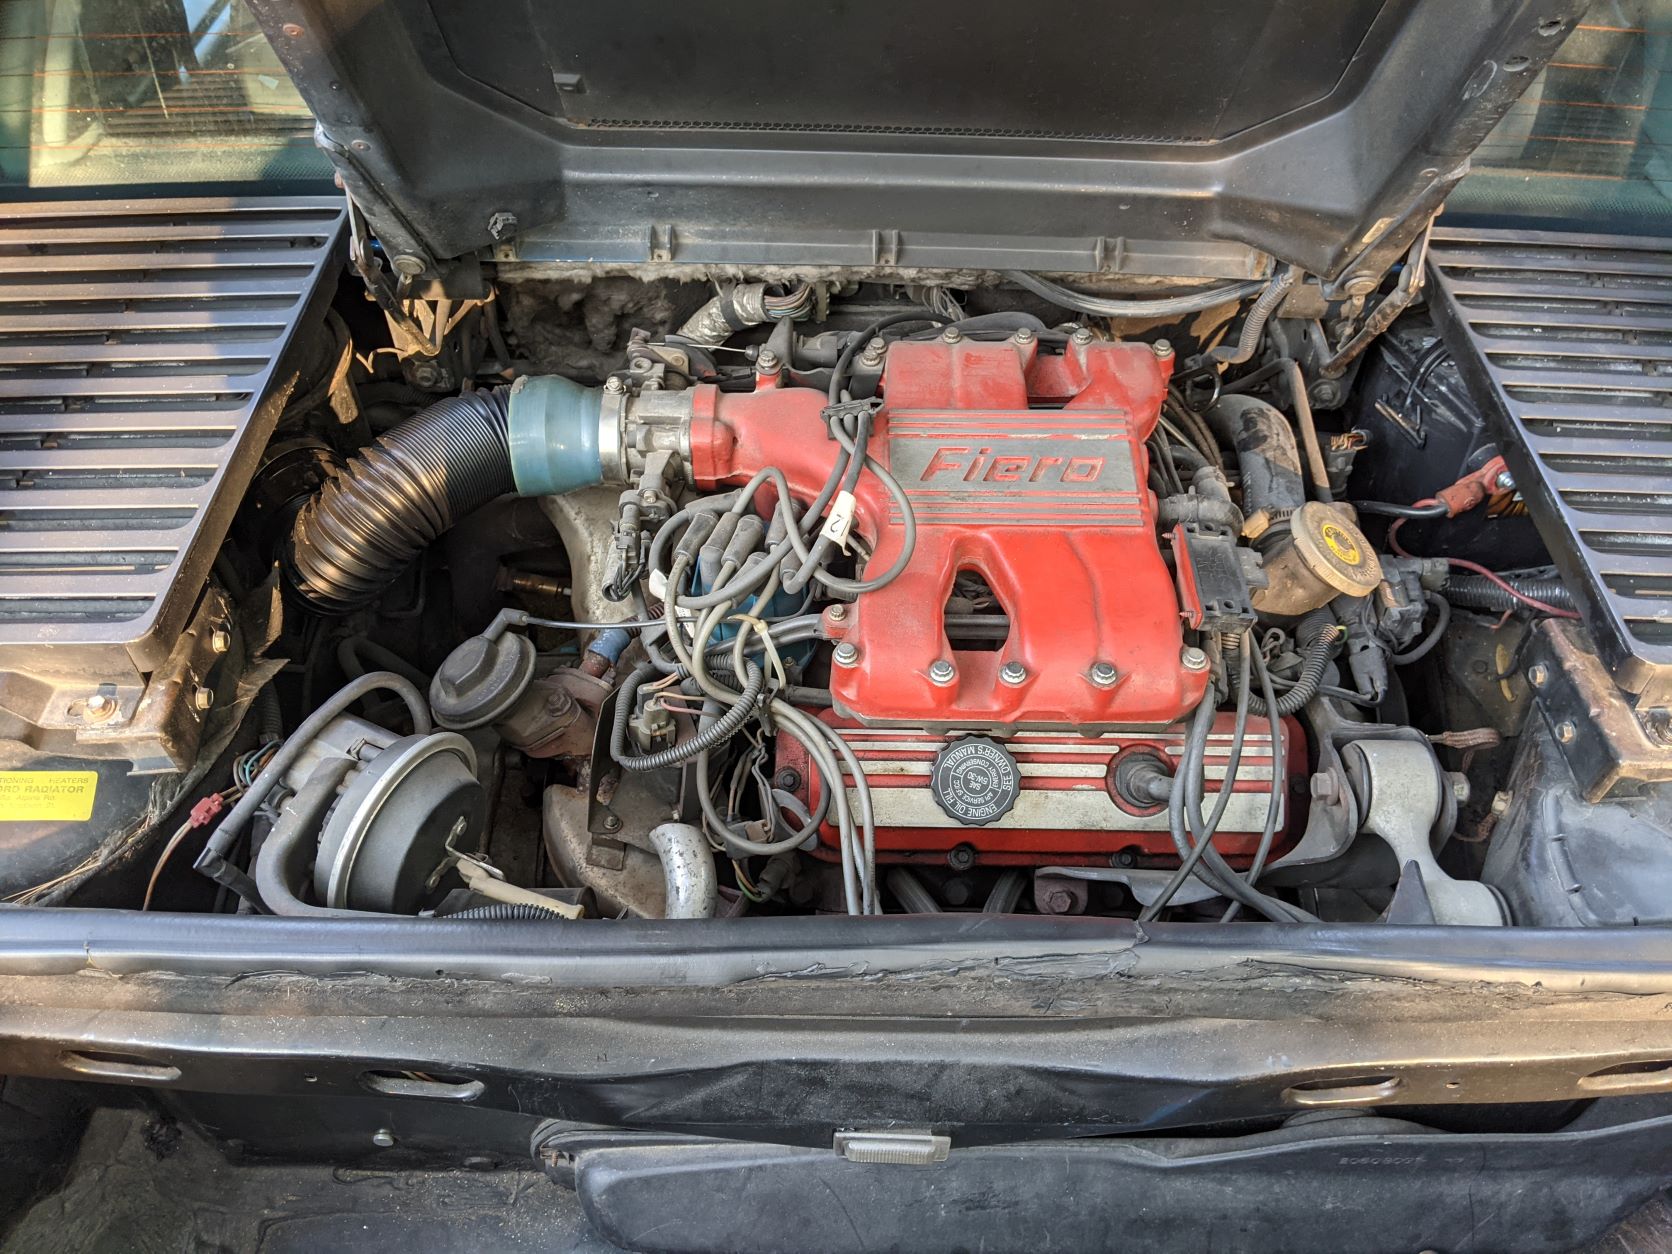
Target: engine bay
[618,595]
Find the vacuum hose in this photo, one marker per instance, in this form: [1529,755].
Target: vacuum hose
[365,526]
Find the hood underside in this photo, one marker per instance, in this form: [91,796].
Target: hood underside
[1197,138]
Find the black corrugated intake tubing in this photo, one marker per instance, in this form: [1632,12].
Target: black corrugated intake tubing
[1267,453]
[1475,592]
[1316,636]
[368,523]
[505,912]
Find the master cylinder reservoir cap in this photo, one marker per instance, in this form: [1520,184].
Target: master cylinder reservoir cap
[1327,556]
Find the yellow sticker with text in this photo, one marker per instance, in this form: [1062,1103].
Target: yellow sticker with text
[1341,544]
[54,796]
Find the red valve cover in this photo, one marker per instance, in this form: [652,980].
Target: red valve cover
[1025,468]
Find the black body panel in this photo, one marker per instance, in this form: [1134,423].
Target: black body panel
[1106,137]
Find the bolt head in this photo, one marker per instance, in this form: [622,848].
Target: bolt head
[767,362]
[612,823]
[1013,673]
[1505,481]
[383,1138]
[1024,335]
[1538,674]
[942,671]
[952,335]
[1162,348]
[220,640]
[203,698]
[1193,659]
[1325,787]
[1082,336]
[291,30]
[614,386]
[502,225]
[1058,901]
[1566,732]
[837,613]
[1459,786]
[1103,674]
[99,707]
[877,345]
[409,264]
[847,654]
[788,779]
[1360,285]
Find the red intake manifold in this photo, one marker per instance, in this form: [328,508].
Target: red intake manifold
[1025,468]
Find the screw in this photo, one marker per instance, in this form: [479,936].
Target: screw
[1565,732]
[425,375]
[952,335]
[847,654]
[203,698]
[767,362]
[614,386]
[1082,336]
[1058,901]
[612,823]
[942,672]
[502,225]
[1500,803]
[1124,858]
[1162,348]
[1193,658]
[291,30]
[1538,674]
[1024,335]
[360,145]
[1013,673]
[960,858]
[789,780]
[98,707]
[1325,787]
[1103,674]
[383,1138]
[409,264]
[1324,392]
[837,613]
[1360,285]
[1505,481]
[220,640]
[648,496]
[1459,786]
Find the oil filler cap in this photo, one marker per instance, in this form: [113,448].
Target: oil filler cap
[975,780]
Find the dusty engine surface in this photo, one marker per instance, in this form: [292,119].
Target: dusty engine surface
[837,596]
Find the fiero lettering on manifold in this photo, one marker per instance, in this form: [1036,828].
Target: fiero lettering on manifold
[983,465]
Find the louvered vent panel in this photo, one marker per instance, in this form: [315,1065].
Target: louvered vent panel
[138,340]
[1569,339]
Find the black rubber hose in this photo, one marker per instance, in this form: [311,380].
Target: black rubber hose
[721,729]
[1255,323]
[1317,632]
[1266,452]
[368,522]
[1473,592]
[505,912]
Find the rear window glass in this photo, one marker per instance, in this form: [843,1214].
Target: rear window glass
[1591,141]
[103,92]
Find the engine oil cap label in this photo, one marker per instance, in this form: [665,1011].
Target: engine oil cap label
[975,780]
[54,796]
